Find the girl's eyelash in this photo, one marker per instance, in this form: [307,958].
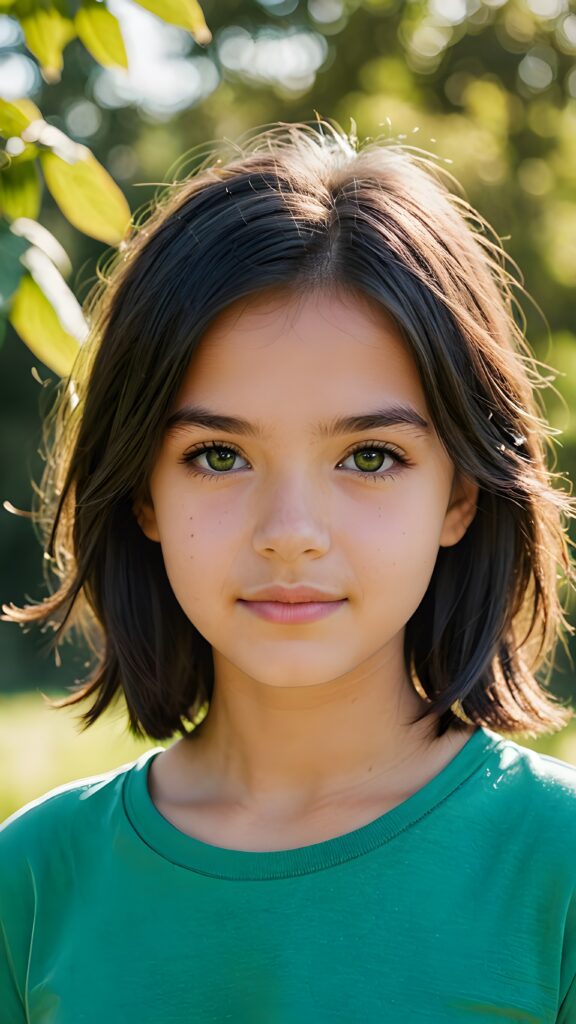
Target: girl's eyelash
[189,458]
[383,446]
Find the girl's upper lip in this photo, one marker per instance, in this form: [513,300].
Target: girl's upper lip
[292,595]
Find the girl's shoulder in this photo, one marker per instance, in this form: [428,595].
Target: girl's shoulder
[534,792]
[67,807]
[538,774]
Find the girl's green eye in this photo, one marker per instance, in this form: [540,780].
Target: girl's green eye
[220,459]
[369,459]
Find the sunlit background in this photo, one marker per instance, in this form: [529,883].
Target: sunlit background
[488,88]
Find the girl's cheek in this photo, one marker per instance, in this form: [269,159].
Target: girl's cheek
[397,543]
[204,539]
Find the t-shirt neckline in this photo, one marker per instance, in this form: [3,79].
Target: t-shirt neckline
[193,854]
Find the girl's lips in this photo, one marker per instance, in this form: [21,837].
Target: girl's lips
[280,611]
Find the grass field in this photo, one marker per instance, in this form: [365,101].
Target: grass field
[41,748]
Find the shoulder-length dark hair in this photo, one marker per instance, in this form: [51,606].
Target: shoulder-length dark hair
[306,206]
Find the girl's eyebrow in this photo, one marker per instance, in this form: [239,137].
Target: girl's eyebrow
[397,415]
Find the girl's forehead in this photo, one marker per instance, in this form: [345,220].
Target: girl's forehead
[318,347]
[277,310]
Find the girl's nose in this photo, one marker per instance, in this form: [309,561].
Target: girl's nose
[291,520]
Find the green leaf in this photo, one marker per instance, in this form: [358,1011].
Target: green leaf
[12,248]
[87,195]
[16,115]
[100,32]
[47,29]
[37,323]
[184,13]
[20,190]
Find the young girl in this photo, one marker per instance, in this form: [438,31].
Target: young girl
[297,500]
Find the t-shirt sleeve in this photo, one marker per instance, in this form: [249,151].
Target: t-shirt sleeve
[567,1014]
[17,918]
[10,995]
[567,1008]
[40,860]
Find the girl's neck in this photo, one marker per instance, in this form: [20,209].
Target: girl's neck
[287,750]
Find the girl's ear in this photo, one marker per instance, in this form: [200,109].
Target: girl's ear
[461,510]
[146,518]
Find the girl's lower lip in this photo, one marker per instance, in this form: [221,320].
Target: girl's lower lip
[280,611]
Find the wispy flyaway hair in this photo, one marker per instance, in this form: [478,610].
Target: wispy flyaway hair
[304,207]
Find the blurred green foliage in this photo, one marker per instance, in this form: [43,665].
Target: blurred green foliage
[41,748]
[34,296]
[488,88]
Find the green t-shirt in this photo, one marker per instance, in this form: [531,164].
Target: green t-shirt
[457,905]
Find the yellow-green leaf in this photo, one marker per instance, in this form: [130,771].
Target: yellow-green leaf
[47,30]
[20,190]
[184,13]
[49,279]
[100,32]
[87,195]
[36,321]
[16,115]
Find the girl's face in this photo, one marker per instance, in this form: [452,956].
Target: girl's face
[294,495]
